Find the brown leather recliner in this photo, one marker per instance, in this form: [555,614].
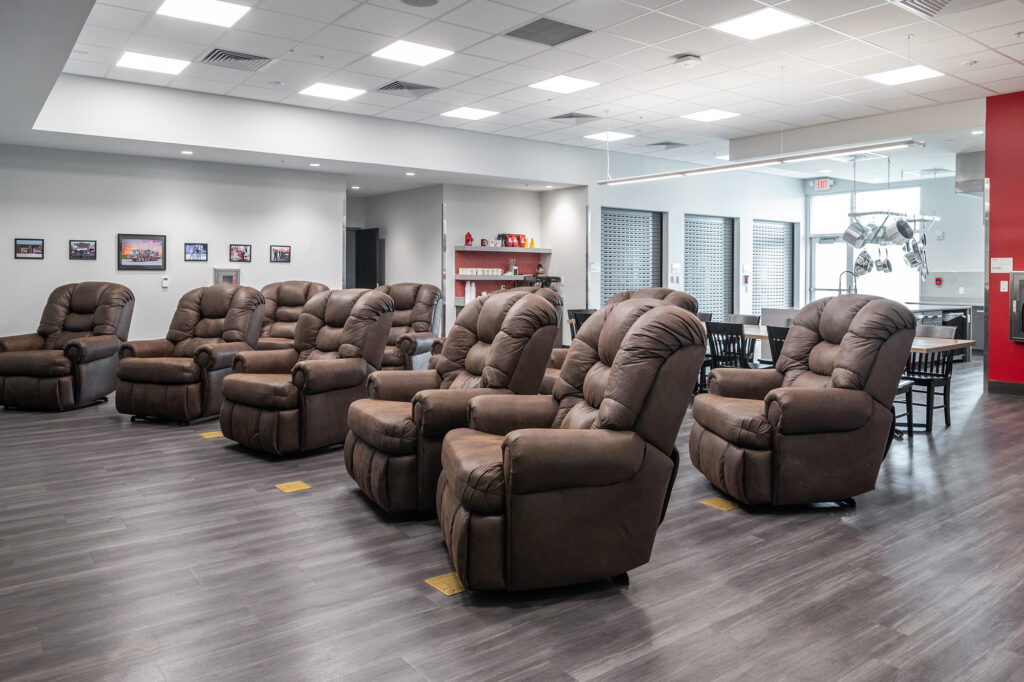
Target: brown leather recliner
[815,428]
[416,324]
[179,377]
[284,303]
[71,359]
[544,490]
[499,343]
[286,401]
[677,298]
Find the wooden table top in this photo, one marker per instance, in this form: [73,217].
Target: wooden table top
[922,344]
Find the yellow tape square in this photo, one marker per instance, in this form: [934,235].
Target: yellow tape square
[212,434]
[291,487]
[720,503]
[447,584]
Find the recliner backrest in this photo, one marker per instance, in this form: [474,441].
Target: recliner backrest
[852,341]
[498,341]
[417,309]
[345,323]
[679,299]
[221,313]
[629,367]
[284,303]
[86,309]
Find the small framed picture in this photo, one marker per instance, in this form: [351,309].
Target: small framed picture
[141,252]
[28,248]
[82,249]
[195,251]
[240,253]
[280,254]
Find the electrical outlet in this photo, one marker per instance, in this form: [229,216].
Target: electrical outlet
[961,291]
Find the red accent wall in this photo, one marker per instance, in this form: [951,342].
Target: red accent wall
[1004,166]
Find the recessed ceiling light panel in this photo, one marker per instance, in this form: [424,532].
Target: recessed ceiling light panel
[564,84]
[762,23]
[469,113]
[908,74]
[977,132]
[609,136]
[412,53]
[328,91]
[213,12]
[149,62]
[709,115]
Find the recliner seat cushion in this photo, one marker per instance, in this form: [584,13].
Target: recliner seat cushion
[386,425]
[159,370]
[392,357]
[472,465]
[270,391]
[35,363]
[736,420]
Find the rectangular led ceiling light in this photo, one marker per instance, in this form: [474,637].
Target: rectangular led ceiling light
[148,62]
[709,115]
[469,113]
[564,84]
[908,74]
[762,23]
[412,53]
[609,136]
[328,91]
[213,12]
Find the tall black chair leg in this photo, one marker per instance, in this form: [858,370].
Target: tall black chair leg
[621,579]
[930,407]
[945,403]
[910,413]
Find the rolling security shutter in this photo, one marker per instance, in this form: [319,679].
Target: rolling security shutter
[773,265]
[630,251]
[707,263]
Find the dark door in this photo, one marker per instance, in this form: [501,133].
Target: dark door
[367,258]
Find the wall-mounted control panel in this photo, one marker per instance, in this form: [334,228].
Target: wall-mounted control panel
[1016,303]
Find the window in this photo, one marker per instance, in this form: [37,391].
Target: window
[773,265]
[708,263]
[630,251]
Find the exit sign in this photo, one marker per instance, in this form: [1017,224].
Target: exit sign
[821,184]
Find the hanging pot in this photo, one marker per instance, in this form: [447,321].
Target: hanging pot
[855,235]
[863,264]
[899,232]
[883,264]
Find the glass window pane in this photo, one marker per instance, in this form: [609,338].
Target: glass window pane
[829,213]
[829,263]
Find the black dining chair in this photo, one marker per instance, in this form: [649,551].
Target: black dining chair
[576,318]
[929,373]
[736,318]
[776,337]
[728,345]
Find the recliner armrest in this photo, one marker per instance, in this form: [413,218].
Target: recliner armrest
[214,356]
[436,412]
[402,386]
[438,344]
[793,410]
[415,343]
[319,376]
[89,348]
[155,348]
[558,356]
[500,414]
[31,341]
[265,361]
[537,460]
[752,384]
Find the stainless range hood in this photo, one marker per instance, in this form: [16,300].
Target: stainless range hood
[970,173]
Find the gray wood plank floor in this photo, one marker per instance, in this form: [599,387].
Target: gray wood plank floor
[144,552]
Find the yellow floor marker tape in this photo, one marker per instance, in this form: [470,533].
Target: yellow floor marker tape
[720,503]
[212,434]
[291,487]
[447,584]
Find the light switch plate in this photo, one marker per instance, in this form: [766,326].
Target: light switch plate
[1004,285]
[165,282]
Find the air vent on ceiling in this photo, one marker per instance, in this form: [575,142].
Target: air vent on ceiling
[667,145]
[941,8]
[403,89]
[573,116]
[548,32]
[235,60]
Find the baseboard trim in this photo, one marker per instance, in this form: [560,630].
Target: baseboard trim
[1005,388]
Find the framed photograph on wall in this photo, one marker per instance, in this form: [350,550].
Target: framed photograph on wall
[196,251]
[280,254]
[141,252]
[28,248]
[240,253]
[82,249]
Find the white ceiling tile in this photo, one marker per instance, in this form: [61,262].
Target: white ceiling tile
[278,24]
[217,73]
[603,72]
[381,20]
[940,49]
[823,10]
[349,40]
[1012,51]
[848,87]
[437,77]
[644,58]
[105,37]
[481,126]
[904,103]
[80,68]
[175,49]
[969,21]
[787,67]
[874,20]
[1001,36]
[965,63]
[643,101]
[1009,85]
[404,115]
[651,28]
[684,91]
[483,86]
[729,80]
[95,54]
[708,12]
[505,49]
[715,100]
[326,11]
[447,36]
[600,45]
[920,33]
[526,95]
[700,42]
[742,55]
[362,81]
[536,6]
[556,61]
[596,14]
[520,75]
[815,77]
[469,65]
[255,43]
[430,11]
[385,68]
[485,15]
[927,87]
[838,53]
[179,29]
[802,39]
[201,85]
[118,18]
[264,94]
[309,102]
[318,55]
[964,93]
[994,73]
[136,76]
[295,75]
[382,99]
[876,64]
[356,107]
[647,82]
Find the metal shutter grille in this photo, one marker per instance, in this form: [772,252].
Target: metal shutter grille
[773,265]
[630,251]
[707,263]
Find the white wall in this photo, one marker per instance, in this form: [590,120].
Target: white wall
[962,248]
[62,195]
[564,231]
[410,225]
